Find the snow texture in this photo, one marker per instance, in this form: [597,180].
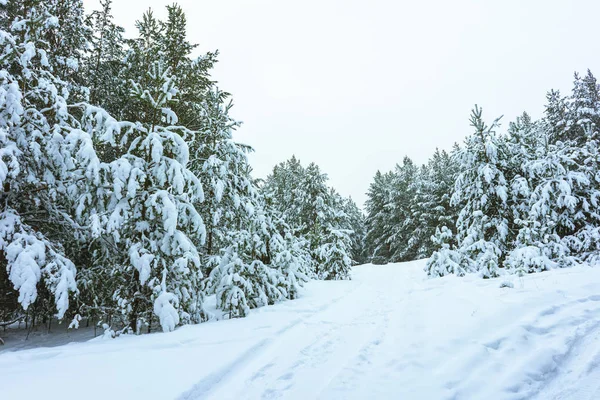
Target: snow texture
[389,333]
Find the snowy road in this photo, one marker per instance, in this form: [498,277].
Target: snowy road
[388,334]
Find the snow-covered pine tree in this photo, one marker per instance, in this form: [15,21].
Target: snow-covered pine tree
[443,170]
[582,110]
[284,190]
[241,281]
[527,143]
[589,234]
[238,227]
[192,75]
[38,235]
[288,253]
[68,45]
[149,213]
[555,117]
[222,166]
[418,217]
[334,251]
[402,244]
[582,236]
[446,259]
[378,214]
[356,224]
[484,220]
[314,212]
[260,266]
[551,207]
[562,224]
[430,209]
[105,61]
[551,213]
[76,178]
[166,40]
[65,42]
[325,225]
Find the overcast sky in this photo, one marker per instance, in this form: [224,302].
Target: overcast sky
[356,85]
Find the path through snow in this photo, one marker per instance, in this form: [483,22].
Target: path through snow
[390,333]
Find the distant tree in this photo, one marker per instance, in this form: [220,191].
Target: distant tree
[378,214]
[316,213]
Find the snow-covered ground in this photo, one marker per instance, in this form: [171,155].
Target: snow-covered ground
[390,333]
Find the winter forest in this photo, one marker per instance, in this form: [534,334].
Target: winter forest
[518,201]
[126,202]
[125,199]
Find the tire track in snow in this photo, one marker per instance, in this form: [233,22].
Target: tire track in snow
[204,387]
[312,362]
[320,362]
[348,377]
[306,357]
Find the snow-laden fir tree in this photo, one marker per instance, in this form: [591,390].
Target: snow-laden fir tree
[446,259]
[326,225]
[561,227]
[482,190]
[149,213]
[37,232]
[418,219]
[116,187]
[314,212]
[192,74]
[528,145]
[260,267]
[430,208]
[246,265]
[356,225]
[284,190]
[222,166]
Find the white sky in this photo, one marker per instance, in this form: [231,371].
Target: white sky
[356,85]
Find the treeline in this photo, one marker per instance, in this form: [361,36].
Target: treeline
[125,199]
[520,201]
